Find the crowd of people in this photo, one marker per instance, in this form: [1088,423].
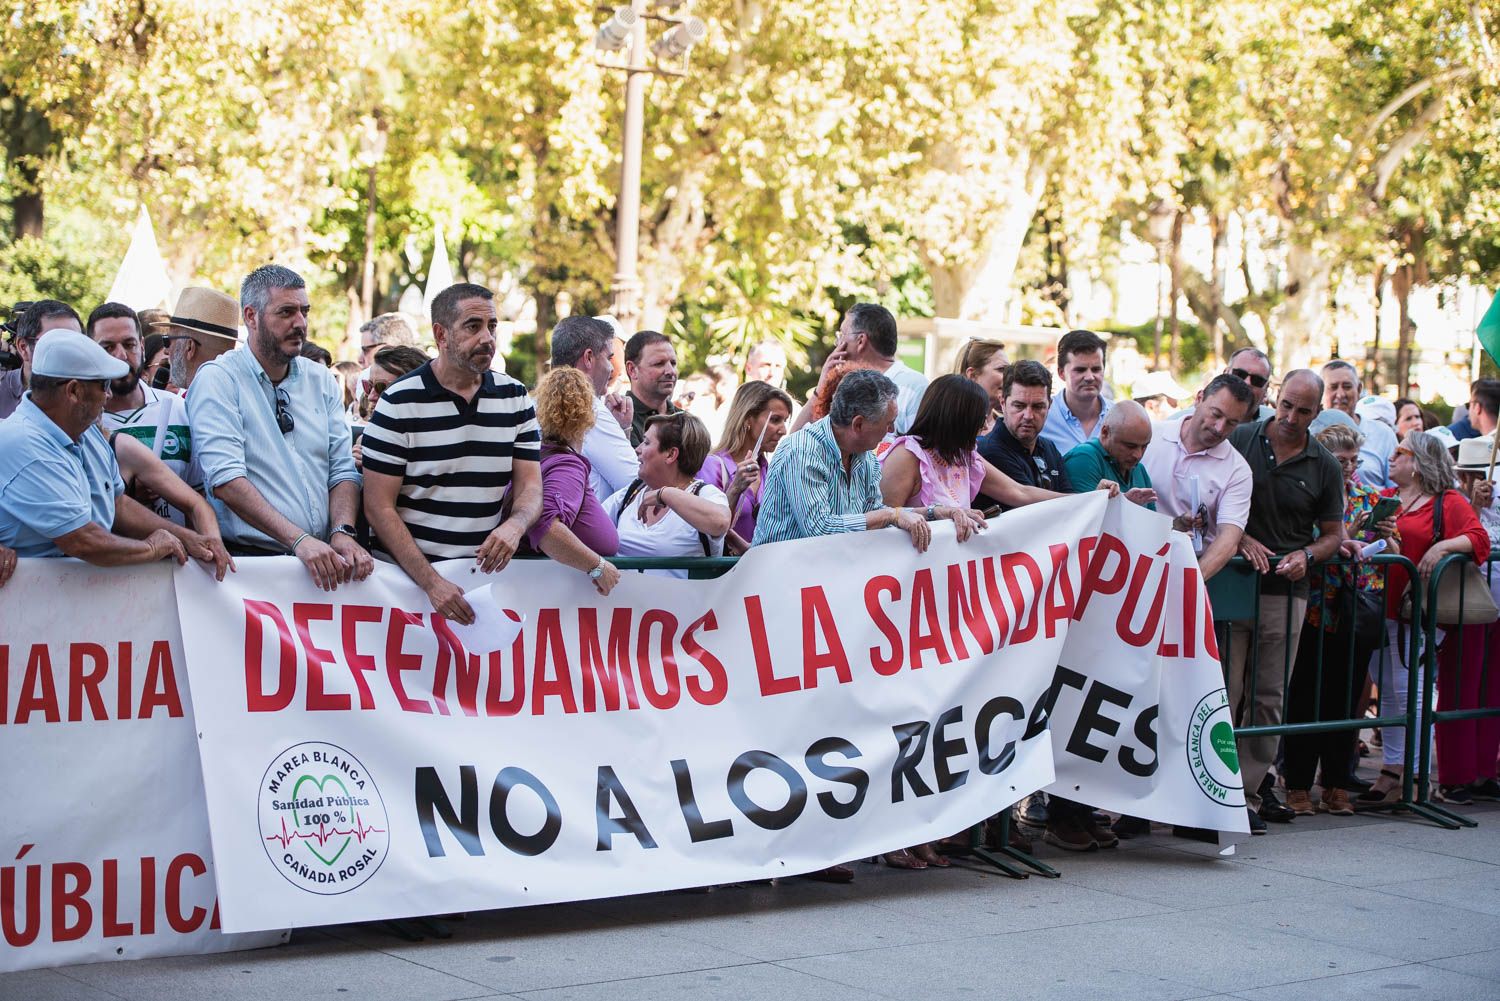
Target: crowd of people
[132,438]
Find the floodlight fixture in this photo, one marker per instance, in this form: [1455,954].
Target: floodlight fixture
[617,30]
[675,43]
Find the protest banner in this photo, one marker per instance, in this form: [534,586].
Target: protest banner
[103,831]
[828,699]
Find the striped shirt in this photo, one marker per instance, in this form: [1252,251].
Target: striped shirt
[807,492]
[454,456]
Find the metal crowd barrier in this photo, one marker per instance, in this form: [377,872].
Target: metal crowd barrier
[1450,644]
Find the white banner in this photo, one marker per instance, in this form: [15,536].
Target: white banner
[827,700]
[104,849]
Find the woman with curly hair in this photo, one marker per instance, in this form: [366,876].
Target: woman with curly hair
[572,528]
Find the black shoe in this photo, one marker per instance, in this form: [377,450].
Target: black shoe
[1276,812]
[1457,795]
[1033,810]
[1485,789]
[1257,823]
[1128,827]
[1195,834]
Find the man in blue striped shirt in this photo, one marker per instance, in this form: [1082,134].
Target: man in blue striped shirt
[825,479]
[269,429]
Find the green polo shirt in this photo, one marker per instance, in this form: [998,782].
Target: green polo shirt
[1289,498]
[640,414]
[1088,463]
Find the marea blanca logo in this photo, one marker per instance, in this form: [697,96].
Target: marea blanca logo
[322,820]
[1211,751]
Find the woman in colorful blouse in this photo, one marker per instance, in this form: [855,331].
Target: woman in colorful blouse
[1344,628]
[758,418]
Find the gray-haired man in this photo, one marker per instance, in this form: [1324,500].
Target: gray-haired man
[269,429]
[587,343]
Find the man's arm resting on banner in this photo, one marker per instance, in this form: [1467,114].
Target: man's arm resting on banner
[343,502]
[381,491]
[323,562]
[1220,551]
[526,489]
[95,544]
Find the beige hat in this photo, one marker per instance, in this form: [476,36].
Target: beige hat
[1158,383]
[208,312]
[1474,453]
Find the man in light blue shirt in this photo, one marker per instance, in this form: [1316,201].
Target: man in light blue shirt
[269,429]
[1341,389]
[825,479]
[60,488]
[1077,411]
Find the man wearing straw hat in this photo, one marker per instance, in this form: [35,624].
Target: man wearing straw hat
[205,324]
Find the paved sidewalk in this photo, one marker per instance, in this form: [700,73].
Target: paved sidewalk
[1362,908]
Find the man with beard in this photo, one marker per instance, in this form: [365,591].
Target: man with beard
[268,426]
[651,365]
[29,324]
[1015,445]
[444,444]
[156,419]
[204,325]
[1200,480]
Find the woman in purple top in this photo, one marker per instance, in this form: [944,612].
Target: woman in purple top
[759,415]
[572,528]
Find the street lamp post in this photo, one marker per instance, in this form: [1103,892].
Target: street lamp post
[626,30]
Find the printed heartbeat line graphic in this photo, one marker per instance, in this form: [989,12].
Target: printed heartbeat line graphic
[322,835]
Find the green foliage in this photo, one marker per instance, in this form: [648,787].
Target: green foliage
[31,269]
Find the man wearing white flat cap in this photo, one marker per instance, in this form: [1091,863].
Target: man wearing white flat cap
[60,487]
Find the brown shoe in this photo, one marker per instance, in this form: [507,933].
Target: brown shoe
[1299,802]
[1070,837]
[1103,836]
[833,874]
[1336,802]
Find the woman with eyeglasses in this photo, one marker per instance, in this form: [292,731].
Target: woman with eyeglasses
[1435,521]
[984,362]
[389,365]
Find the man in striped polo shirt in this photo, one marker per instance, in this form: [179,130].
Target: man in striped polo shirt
[444,443]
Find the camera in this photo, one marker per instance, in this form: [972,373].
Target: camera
[9,358]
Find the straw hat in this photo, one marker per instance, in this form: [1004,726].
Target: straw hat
[208,312]
[1474,453]
[1158,383]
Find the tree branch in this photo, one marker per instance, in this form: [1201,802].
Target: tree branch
[1392,106]
[1386,166]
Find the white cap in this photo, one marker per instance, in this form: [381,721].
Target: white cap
[1329,417]
[1443,435]
[1158,383]
[1376,408]
[64,354]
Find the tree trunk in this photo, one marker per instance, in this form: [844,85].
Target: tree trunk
[1372,357]
[27,209]
[1220,231]
[1401,283]
[1174,262]
[678,232]
[367,273]
[1302,315]
[981,288]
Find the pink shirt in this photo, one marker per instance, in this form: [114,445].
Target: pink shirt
[1224,479]
[938,482]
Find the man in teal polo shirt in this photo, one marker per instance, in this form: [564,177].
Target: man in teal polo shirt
[1116,454]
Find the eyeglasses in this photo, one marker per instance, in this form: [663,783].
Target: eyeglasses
[1258,381]
[284,419]
[1044,476]
[1403,450]
[374,388]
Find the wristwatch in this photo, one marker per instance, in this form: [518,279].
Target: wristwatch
[598,571]
[1307,554]
[346,529]
[932,512]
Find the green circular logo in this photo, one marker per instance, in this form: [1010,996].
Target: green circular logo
[1211,751]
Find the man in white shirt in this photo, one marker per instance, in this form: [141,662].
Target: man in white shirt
[156,419]
[867,339]
[1341,391]
[587,344]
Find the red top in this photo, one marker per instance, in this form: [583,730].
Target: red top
[1416,538]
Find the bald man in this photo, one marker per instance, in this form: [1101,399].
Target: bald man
[1115,455]
[1296,513]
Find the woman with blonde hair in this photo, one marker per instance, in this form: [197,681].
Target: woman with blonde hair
[984,361]
[572,528]
[757,420]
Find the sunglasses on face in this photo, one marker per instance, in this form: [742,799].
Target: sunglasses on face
[374,388]
[1258,381]
[284,419]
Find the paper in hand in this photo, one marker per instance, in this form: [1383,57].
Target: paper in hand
[493,628]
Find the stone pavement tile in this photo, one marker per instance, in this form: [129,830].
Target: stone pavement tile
[1413,930]
[534,948]
[1475,892]
[770,923]
[313,967]
[1413,982]
[1480,843]
[47,985]
[1485,965]
[1035,965]
[1355,857]
[761,982]
[1159,874]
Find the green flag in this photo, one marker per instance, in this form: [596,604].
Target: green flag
[1488,330]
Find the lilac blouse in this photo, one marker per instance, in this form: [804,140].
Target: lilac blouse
[566,497]
[719,469]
